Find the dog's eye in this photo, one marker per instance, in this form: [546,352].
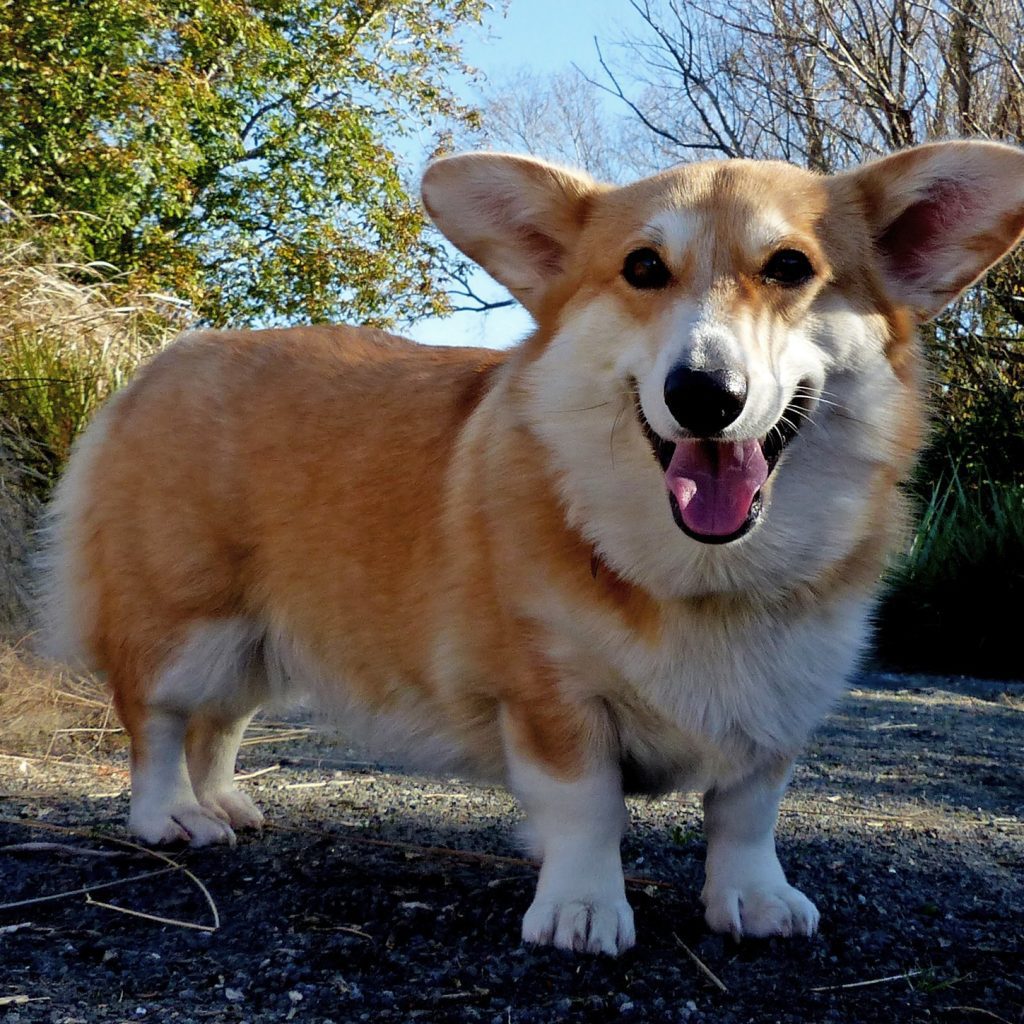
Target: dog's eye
[643,268]
[788,267]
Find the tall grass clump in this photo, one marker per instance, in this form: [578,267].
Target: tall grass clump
[18,508]
[71,332]
[953,603]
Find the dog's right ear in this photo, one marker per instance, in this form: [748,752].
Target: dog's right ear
[940,215]
[515,216]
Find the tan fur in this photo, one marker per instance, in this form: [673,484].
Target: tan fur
[409,524]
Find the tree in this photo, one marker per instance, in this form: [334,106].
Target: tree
[243,154]
[825,83]
[829,83]
[560,117]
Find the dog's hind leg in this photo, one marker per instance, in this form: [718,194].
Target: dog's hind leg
[186,729]
[211,746]
[164,808]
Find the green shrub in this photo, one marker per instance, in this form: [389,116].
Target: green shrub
[953,603]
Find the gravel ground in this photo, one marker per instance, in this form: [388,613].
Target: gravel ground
[378,896]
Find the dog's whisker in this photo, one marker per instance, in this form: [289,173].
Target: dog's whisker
[799,412]
[821,401]
[821,396]
[611,437]
[789,423]
[807,390]
[584,408]
[806,417]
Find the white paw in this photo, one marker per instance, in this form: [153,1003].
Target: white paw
[581,925]
[760,911]
[234,807]
[188,823]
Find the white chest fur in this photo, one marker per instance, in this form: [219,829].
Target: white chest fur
[717,695]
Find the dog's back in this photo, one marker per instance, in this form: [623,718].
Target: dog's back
[182,491]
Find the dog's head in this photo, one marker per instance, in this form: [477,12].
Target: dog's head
[726,369]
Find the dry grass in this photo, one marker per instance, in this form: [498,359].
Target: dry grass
[18,508]
[49,712]
[71,333]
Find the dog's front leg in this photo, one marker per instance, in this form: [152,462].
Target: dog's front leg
[745,888]
[576,815]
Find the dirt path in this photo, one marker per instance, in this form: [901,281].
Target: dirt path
[905,823]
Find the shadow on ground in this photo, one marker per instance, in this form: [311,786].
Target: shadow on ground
[903,823]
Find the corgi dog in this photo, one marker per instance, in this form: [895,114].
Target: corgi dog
[635,553]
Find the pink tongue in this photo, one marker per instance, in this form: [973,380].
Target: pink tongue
[715,483]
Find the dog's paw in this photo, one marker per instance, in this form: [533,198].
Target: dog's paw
[760,911]
[234,807]
[189,823]
[581,925]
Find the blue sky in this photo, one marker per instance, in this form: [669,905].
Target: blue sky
[542,36]
[546,35]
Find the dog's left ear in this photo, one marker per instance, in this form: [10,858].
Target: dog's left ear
[940,216]
[515,216]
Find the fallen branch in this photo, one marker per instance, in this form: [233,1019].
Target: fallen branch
[702,967]
[88,728]
[445,851]
[101,767]
[85,890]
[864,984]
[91,702]
[78,851]
[10,929]
[279,737]
[256,774]
[173,865]
[150,917]
[973,1009]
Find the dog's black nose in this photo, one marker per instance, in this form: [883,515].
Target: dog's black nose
[705,402]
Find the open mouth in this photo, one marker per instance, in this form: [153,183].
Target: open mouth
[714,487]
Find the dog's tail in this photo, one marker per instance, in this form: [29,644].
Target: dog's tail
[65,590]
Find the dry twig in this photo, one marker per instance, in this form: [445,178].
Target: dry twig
[276,737]
[85,890]
[446,851]
[864,984]
[77,851]
[256,774]
[150,917]
[974,1009]
[173,865]
[702,967]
